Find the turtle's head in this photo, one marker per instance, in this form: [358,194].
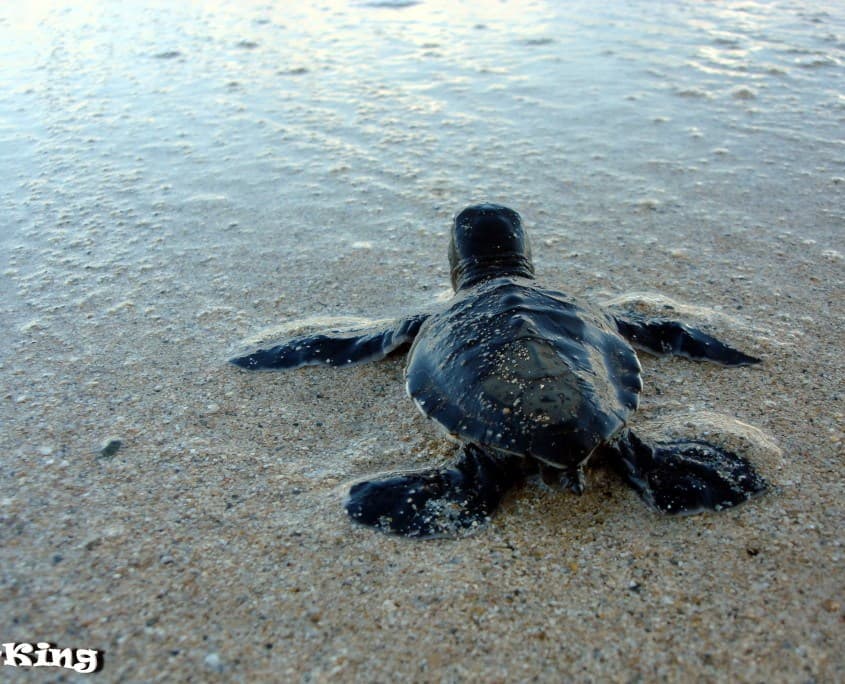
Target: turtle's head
[488,241]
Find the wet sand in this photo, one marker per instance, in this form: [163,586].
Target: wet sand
[164,207]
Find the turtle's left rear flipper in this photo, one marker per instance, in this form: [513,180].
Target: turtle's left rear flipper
[662,336]
[441,502]
[334,347]
[686,477]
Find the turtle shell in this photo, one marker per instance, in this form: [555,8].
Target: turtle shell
[524,370]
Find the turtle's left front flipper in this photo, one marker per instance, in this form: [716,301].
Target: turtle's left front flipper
[335,347]
[685,477]
[662,336]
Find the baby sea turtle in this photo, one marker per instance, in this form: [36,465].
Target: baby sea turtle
[526,379]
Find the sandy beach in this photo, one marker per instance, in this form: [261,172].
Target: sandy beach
[179,179]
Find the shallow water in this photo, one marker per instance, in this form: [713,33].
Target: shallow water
[178,177]
[283,133]
[572,111]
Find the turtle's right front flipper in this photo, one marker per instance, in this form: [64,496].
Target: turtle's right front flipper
[334,347]
[662,336]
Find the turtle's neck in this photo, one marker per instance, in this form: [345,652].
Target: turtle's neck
[473,270]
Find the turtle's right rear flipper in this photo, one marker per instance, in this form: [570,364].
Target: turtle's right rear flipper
[334,347]
[686,477]
[444,502]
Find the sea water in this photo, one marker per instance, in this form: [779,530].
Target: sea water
[248,105]
[155,151]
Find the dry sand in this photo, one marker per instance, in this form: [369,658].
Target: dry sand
[212,544]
